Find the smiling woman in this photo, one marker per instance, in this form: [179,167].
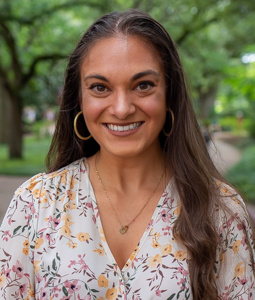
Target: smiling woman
[132,206]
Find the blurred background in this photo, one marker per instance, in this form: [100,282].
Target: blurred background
[216,41]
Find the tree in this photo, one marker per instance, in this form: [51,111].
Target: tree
[35,35]
[28,34]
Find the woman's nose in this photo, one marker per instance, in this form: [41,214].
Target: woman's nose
[122,105]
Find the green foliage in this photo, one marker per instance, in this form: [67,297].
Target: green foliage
[242,174]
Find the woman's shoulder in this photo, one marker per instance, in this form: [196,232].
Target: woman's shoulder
[230,197]
[232,205]
[40,180]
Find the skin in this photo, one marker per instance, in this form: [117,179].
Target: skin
[124,106]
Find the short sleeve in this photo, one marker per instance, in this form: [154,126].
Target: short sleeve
[235,254]
[18,231]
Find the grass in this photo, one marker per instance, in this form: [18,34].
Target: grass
[242,175]
[33,162]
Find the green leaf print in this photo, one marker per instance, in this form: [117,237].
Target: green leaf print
[16,230]
[171,297]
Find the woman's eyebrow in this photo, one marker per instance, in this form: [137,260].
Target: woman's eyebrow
[96,76]
[144,73]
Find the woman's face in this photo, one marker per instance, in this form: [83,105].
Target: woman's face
[124,95]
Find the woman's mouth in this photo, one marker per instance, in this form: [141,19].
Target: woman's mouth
[123,128]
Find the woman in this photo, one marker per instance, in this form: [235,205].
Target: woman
[146,214]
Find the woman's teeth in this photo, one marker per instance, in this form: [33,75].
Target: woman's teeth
[123,128]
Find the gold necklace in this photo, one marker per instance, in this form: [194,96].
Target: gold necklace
[124,228]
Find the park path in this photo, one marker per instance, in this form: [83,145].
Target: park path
[223,154]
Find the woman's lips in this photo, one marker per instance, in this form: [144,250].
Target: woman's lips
[123,128]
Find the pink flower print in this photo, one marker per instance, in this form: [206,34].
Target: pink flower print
[230,221]
[7,273]
[10,221]
[72,263]
[31,206]
[72,286]
[165,216]
[242,281]
[182,271]
[158,293]
[18,269]
[23,289]
[56,221]
[6,235]
[43,294]
[89,204]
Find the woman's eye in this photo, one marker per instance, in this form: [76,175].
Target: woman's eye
[98,88]
[145,86]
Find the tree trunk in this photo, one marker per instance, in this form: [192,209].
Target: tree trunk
[206,101]
[4,107]
[14,128]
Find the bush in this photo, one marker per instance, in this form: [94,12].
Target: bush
[242,175]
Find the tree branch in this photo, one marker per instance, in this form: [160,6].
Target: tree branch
[31,72]
[11,44]
[30,21]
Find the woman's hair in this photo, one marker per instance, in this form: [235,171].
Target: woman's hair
[185,150]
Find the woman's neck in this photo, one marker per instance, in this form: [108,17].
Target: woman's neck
[122,172]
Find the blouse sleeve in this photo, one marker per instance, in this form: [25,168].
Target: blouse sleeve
[18,236]
[234,267]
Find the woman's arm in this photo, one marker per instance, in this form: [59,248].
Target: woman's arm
[18,235]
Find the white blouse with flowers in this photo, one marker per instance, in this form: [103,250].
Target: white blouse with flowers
[52,246]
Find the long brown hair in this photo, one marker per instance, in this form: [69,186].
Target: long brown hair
[185,149]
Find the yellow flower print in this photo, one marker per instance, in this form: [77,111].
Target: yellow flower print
[236,246]
[36,193]
[72,195]
[82,236]
[239,269]
[99,250]
[72,244]
[26,243]
[153,261]
[111,294]
[102,281]
[65,230]
[166,249]
[63,180]
[100,298]
[221,257]
[72,205]
[25,251]
[37,266]
[155,244]
[102,237]
[225,191]
[2,279]
[73,183]
[180,255]
[177,210]
[67,218]
[132,256]
[31,291]
[38,243]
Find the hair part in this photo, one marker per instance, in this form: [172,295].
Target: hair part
[185,150]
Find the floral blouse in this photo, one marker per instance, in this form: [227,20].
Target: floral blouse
[53,246]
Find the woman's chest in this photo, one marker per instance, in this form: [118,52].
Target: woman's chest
[72,259]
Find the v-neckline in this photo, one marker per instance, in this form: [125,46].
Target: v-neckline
[100,228]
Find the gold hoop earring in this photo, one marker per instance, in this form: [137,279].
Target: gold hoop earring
[172,127]
[76,130]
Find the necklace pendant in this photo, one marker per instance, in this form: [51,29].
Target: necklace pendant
[124,229]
